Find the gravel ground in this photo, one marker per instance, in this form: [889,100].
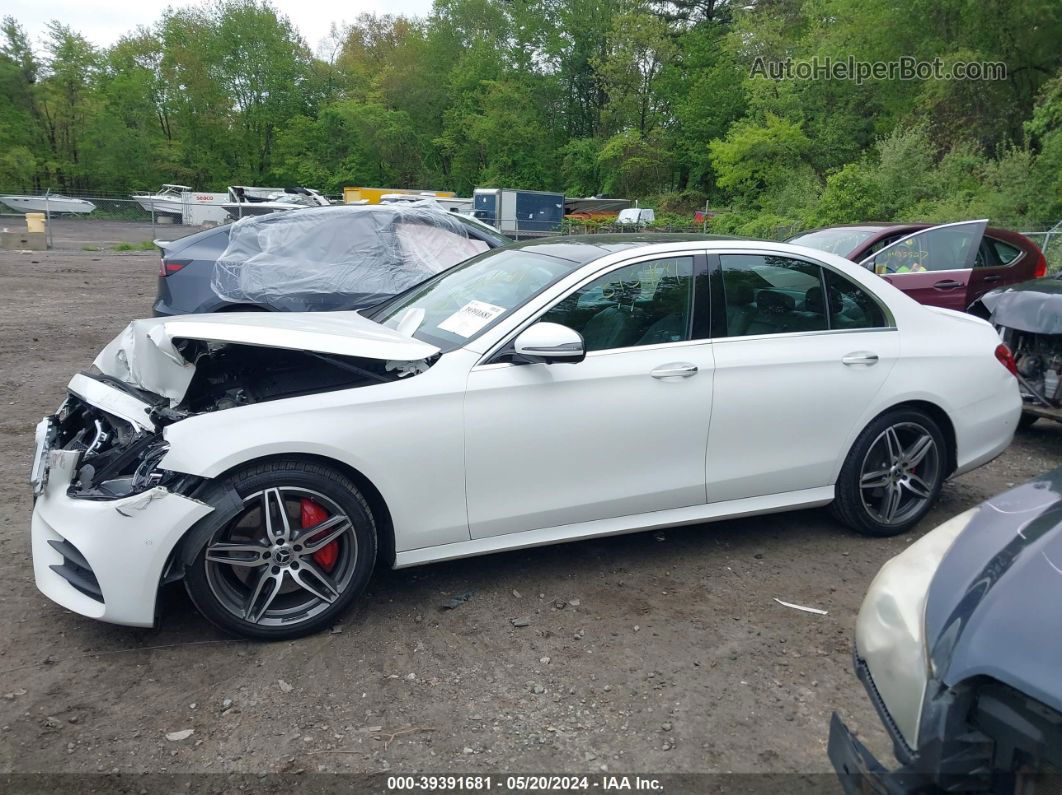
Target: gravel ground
[646,653]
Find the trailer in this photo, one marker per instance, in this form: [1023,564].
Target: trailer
[520,214]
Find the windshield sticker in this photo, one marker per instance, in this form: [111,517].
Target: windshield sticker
[470,318]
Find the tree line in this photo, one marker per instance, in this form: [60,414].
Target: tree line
[654,100]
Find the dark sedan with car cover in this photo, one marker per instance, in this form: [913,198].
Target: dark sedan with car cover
[324,258]
[959,645]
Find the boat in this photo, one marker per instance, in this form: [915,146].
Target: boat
[166,200]
[246,201]
[48,203]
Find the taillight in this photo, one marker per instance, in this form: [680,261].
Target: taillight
[1041,267]
[166,268]
[1006,358]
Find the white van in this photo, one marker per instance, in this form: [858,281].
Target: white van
[637,216]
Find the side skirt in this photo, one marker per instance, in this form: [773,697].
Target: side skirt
[694,514]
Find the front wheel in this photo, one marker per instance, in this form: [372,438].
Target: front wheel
[893,474]
[292,560]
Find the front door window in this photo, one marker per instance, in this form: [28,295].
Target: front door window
[647,303]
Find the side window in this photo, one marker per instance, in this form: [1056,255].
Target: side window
[771,295]
[880,244]
[642,304]
[850,305]
[1005,252]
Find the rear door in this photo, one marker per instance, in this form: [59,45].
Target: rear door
[933,266]
[999,262]
[794,372]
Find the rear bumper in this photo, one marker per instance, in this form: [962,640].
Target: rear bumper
[986,428]
[105,558]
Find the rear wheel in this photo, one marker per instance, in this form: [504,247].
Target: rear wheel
[892,475]
[292,560]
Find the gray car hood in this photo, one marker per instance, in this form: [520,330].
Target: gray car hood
[994,603]
[144,355]
[1034,306]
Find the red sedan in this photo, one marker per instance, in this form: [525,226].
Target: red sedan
[950,265]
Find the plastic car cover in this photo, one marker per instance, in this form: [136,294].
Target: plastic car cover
[1035,307]
[298,259]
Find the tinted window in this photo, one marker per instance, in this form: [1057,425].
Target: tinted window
[539,212]
[850,305]
[486,207]
[771,295]
[642,304]
[1004,252]
[941,248]
[880,244]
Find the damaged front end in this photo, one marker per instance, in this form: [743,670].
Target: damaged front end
[161,371]
[107,515]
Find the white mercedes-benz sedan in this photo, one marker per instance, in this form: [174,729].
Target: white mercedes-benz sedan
[544,392]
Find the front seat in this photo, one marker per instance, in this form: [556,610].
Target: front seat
[609,328]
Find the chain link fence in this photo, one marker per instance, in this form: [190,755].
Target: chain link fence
[1050,242]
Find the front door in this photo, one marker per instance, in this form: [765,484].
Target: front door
[622,432]
[933,266]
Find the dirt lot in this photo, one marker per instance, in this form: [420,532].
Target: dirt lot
[646,653]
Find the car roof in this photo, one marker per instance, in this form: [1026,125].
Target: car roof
[587,248]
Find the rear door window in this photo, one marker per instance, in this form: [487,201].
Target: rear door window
[850,306]
[771,295]
[1005,252]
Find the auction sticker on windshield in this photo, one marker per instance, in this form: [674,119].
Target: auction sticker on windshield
[470,318]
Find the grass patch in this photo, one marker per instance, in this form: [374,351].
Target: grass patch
[143,245]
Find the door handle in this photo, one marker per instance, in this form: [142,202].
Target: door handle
[947,284]
[993,278]
[860,357]
[674,370]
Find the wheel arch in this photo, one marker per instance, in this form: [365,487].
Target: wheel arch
[941,417]
[381,513]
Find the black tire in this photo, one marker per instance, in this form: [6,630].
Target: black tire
[289,608]
[855,504]
[1026,421]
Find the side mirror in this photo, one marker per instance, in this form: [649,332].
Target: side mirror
[549,343]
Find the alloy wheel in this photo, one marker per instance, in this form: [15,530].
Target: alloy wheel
[900,473]
[285,558]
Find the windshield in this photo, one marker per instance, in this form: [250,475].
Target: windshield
[842,241]
[466,300]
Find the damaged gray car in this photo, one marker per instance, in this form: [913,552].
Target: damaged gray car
[959,646]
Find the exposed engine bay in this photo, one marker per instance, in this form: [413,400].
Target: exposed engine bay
[1039,360]
[120,457]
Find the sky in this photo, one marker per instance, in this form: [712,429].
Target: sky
[105,21]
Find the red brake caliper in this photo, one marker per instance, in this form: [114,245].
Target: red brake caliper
[313,514]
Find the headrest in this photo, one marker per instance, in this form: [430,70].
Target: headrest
[813,301]
[771,301]
[739,293]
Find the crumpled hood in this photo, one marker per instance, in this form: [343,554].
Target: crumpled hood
[144,356]
[1034,306]
[992,608]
